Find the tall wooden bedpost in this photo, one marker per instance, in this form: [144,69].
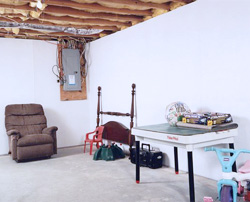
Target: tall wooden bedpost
[132,114]
[98,106]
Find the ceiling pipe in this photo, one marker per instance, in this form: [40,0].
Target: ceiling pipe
[47,28]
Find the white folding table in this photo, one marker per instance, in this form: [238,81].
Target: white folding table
[186,138]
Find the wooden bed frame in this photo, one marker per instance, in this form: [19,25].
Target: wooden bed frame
[116,131]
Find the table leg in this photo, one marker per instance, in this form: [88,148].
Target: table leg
[191,176]
[137,162]
[231,146]
[176,160]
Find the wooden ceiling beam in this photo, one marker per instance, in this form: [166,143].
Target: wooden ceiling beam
[138,4]
[96,7]
[75,12]
[99,22]
[24,7]
[3,19]
[3,35]
[184,1]
[12,16]
[88,21]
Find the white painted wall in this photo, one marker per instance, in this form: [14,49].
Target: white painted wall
[198,54]
[26,77]
[17,79]
[71,117]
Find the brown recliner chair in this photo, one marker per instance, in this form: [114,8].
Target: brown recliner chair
[29,137]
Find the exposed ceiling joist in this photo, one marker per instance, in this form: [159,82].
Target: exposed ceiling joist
[62,11]
[87,21]
[63,17]
[22,7]
[138,4]
[82,14]
[94,7]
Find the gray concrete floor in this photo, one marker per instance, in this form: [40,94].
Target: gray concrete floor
[71,176]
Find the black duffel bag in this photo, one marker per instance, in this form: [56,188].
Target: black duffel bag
[148,158]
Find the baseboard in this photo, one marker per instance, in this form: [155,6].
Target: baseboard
[80,145]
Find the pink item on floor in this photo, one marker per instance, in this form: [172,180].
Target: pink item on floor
[245,168]
[208,199]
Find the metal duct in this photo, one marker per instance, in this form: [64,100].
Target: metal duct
[46,28]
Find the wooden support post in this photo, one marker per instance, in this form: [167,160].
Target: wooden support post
[132,114]
[59,49]
[98,106]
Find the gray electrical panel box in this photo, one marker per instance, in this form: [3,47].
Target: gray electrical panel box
[71,69]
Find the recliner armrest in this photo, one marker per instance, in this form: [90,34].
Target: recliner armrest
[14,136]
[13,132]
[50,130]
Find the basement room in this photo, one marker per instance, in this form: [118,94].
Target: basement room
[124,100]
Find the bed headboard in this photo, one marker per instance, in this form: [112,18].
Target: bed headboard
[117,132]
[112,127]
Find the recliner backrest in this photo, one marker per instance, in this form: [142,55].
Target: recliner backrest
[26,118]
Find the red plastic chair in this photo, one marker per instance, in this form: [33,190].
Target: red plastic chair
[96,138]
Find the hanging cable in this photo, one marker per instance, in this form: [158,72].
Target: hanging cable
[57,75]
[85,66]
[86,61]
[50,42]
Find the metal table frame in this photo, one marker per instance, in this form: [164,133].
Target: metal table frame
[191,141]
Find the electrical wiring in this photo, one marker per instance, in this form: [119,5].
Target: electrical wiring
[50,42]
[57,55]
[57,75]
[59,64]
[70,44]
[85,61]
[61,79]
[75,38]
[84,74]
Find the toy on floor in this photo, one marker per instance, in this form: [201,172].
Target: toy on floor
[207,199]
[246,169]
[230,184]
[97,138]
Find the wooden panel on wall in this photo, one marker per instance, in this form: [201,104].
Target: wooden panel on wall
[74,95]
